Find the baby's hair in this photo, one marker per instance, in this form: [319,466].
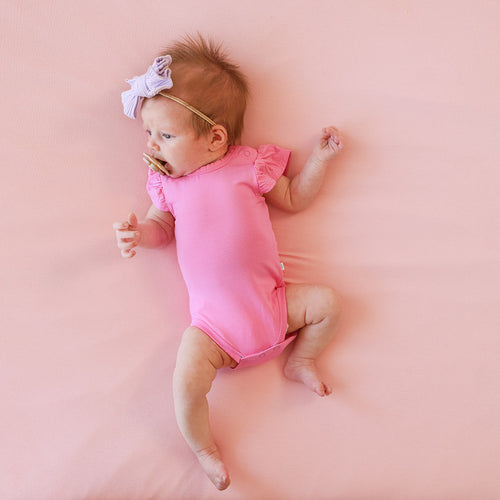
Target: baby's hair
[204,77]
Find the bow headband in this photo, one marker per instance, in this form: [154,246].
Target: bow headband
[156,79]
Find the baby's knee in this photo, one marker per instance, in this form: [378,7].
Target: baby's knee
[331,302]
[193,372]
[192,350]
[191,380]
[183,376]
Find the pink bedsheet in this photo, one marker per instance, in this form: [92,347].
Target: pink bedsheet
[405,228]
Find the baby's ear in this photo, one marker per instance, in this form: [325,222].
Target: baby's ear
[218,136]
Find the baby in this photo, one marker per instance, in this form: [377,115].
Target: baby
[211,194]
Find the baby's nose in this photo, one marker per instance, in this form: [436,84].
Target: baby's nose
[152,144]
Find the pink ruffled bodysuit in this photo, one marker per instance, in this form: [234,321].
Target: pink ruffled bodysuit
[227,250]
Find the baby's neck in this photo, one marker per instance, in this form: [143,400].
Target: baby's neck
[216,156]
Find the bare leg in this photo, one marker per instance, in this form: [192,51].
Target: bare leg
[314,312]
[198,360]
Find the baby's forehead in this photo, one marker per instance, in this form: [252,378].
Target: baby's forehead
[160,111]
[151,108]
[152,102]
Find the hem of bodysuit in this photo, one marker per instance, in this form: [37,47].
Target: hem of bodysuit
[283,336]
[236,355]
[225,346]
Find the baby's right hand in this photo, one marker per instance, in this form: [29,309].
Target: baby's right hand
[127,236]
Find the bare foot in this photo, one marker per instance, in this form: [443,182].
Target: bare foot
[304,370]
[214,467]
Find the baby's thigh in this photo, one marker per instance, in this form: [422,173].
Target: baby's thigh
[198,360]
[308,304]
[199,353]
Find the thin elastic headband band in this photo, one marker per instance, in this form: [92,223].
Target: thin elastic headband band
[188,106]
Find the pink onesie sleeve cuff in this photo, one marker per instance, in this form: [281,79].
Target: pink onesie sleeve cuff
[270,165]
[154,187]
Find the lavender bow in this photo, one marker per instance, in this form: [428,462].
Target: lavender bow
[156,79]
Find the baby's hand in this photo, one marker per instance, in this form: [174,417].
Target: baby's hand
[127,235]
[329,144]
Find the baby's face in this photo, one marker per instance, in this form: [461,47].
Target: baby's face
[171,137]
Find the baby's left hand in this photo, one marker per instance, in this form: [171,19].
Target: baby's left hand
[329,144]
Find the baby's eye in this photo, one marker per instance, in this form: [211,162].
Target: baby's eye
[148,132]
[166,136]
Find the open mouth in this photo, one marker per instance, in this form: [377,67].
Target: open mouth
[156,165]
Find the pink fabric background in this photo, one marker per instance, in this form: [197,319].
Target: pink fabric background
[406,228]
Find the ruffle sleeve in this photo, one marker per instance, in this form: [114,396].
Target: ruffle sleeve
[154,186]
[270,165]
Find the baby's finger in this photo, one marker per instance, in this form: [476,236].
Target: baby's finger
[124,245]
[132,220]
[331,131]
[127,254]
[335,142]
[123,235]
[118,226]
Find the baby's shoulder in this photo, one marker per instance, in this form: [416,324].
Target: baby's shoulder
[244,154]
[264,152]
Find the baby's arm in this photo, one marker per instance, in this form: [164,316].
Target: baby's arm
[296,194]
[155,231]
